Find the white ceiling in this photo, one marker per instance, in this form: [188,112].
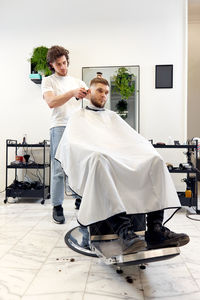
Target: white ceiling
[194,10]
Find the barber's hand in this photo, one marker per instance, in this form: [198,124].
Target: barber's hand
[80,93]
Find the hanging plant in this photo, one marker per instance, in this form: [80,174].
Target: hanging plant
[124,85]
[39,62]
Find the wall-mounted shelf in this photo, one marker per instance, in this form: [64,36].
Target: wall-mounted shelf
[36,78]
[175,146]
[27,166]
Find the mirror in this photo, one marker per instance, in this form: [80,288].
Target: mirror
[127,81]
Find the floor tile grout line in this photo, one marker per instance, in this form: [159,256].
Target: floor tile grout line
[14,216]
[140,277]
[20,240]
[39,269]
[87,279]
[193,278]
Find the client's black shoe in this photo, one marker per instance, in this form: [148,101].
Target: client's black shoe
[58,216]
[77,203]
[131,242]
[161,237]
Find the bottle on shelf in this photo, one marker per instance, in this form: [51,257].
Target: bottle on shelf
[188,193]
[170,141]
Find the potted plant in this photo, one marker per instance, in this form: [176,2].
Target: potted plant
[39,65]
[125,86]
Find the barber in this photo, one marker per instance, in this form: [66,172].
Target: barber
[60,91]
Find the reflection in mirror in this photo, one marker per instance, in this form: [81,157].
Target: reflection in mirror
[124,90]
[78,240]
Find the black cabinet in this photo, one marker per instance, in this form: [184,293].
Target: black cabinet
[24,189]
[191,172]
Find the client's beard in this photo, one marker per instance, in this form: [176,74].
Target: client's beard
[97,104]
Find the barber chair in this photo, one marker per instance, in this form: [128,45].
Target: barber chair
[102,242]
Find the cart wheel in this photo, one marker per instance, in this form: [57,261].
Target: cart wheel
[42,202]
[142,267]
[5,201]
[119,270]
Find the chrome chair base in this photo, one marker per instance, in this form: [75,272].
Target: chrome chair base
[109,250]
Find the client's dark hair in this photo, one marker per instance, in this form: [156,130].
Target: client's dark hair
[55,52]
[99,80]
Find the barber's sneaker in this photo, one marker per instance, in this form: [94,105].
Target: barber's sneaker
[162,237]
[131,242]
[58,216]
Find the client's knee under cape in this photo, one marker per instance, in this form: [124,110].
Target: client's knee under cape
[113,168]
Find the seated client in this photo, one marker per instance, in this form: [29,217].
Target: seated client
[117,172]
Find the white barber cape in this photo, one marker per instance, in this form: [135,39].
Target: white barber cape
[113,167]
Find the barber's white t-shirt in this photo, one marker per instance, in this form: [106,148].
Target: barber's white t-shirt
[60,85]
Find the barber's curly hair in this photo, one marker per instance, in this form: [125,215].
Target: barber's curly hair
[55,52]
[99,80]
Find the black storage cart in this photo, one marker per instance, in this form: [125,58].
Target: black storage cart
[191,182]
[23,190]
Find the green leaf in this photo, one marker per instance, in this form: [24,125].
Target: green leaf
[39,61]
[124,83]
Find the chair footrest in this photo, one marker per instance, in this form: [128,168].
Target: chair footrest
[104,237]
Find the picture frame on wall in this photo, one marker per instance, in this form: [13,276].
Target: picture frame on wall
[164,76]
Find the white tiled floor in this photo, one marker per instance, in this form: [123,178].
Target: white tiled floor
[35,262]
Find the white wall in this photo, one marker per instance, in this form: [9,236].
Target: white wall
[193,79]
[97,33]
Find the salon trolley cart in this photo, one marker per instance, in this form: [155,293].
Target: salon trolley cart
[23,189]
[191,172]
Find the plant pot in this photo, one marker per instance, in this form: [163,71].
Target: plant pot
[123,114]
[122,105]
